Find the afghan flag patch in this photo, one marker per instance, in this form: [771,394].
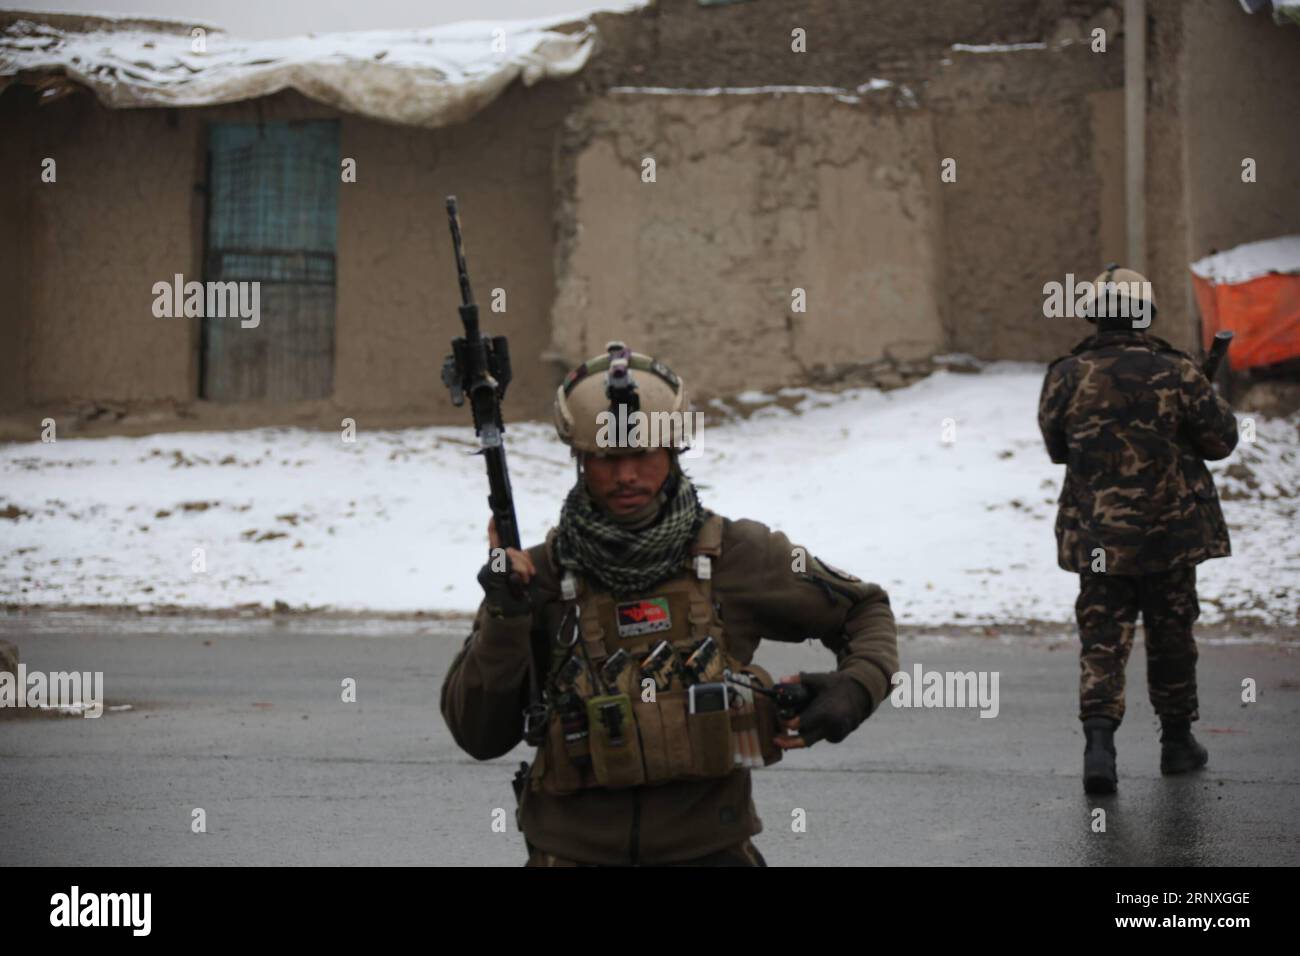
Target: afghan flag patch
[644,617]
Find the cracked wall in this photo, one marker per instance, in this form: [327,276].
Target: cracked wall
[1240,100]
[1038,140]
[754,197]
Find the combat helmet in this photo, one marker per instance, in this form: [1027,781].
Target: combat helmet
[1120,294]
[599,404]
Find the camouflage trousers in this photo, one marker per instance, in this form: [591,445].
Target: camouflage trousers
[742,854]
[1107,612]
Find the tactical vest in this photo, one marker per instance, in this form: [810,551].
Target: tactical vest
[620,715]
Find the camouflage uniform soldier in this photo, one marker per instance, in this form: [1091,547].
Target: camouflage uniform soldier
[640,607]
[1133,419]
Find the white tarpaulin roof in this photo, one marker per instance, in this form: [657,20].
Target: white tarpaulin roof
[426,77]
[1252,260]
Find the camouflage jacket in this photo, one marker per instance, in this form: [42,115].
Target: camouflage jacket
[1133,420]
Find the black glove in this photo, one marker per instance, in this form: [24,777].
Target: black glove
[504,594]
[838,705]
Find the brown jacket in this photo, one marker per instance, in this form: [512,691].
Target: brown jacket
[759,596]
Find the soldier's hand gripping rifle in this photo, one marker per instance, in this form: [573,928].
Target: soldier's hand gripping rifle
[479,369]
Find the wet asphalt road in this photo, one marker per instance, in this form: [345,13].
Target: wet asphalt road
[244,719]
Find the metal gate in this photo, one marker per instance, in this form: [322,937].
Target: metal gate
[272,219]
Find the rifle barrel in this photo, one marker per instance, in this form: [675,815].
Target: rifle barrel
[462,270]
[1218,350]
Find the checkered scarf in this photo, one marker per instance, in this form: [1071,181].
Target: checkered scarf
[622,560]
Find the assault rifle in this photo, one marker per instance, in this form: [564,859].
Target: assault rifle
[478,368]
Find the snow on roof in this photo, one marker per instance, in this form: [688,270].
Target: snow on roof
[996,47]
[839,92]
[1250,261]
[429,77]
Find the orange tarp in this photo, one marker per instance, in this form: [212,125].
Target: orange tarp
[1263,312]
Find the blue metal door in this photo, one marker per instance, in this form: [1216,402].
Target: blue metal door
[273,220]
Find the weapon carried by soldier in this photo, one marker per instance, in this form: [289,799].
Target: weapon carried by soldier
[790,698]
[479,368]
[1218,352]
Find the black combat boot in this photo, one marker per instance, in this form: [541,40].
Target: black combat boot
[1099,756]
[1179,751]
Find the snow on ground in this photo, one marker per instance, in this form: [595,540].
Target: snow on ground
[958,532]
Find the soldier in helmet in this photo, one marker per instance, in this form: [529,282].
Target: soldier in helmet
[1134,420]
[627,658]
